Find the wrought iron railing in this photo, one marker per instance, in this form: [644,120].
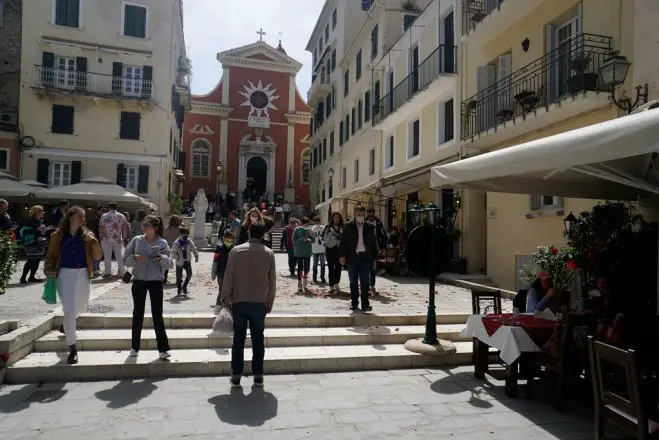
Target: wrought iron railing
[318,80]
[441,61]
[94,83]
[474,11]
[567,70]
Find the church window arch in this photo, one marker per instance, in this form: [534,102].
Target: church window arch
[305,164]
[201,158]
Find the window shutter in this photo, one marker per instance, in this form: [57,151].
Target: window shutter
[43,171]
[73,13]
[367,105]
[147,83]
[76,171]
[130,125]
[140,25]
[129,20]
[47,72]
[143,179]
[81,73]
[117,77]
[181,160]
[504,69]
[48,59]
[121,175]
[60,12]
[62,119]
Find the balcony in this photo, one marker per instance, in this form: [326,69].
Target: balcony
[93,84]
[562,84]
[475,11]
[487,19]
[435,74]
[320,89]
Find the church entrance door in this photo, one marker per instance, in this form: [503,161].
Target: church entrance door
[257,178]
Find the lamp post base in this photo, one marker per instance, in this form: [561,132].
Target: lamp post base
[441,349]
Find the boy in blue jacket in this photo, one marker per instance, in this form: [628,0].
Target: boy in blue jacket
[220,260]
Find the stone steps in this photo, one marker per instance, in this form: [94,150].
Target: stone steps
[119,339]
[115,365]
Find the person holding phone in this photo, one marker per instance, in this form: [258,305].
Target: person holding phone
[149,255]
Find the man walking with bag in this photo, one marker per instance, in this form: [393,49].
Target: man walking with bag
[248,290]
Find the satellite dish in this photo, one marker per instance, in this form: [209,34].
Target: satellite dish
[418,247]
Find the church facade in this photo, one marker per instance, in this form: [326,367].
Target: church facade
[250,135]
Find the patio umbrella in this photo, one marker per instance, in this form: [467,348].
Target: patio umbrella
[10,188]
[94,190]
[34,183]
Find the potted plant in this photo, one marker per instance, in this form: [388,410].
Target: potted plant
[558,262]
[582,80]
[175,204]
[8,258]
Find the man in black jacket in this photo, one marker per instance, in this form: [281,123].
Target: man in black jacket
[359,252]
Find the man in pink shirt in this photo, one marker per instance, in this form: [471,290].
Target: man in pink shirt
[113,230]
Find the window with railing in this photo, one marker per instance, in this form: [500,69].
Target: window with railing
[475,11]
[441,61]
[567,70]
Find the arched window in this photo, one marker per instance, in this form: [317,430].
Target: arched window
[305,163]
[201,158]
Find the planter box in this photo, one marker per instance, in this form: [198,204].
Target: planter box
[582,82]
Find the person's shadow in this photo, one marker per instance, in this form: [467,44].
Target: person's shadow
[127,392]
[253,409]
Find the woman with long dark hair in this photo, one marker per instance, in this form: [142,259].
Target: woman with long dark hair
[71,255]
[253,216]
[149,256]
[332,238]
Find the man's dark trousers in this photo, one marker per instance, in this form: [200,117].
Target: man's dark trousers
[359,273]
[253,315]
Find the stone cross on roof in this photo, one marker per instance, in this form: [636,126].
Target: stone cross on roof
[260,33]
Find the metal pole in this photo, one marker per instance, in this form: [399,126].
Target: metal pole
[431,319]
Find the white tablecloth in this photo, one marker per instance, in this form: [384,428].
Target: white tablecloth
[510,340]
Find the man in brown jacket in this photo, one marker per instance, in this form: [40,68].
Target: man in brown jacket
[248,289]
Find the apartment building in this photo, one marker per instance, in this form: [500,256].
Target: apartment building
[109,82]
[10,68]
[529,69]
[346,151]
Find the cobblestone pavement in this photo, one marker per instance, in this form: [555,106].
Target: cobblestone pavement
[402,405]
[401,295]
[396,295]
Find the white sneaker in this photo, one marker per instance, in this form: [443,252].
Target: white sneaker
[331,289]
[299,287]
[133,353]
[164,355]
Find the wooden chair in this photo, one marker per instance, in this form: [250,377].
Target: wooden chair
[556,363]
[623,402]
[484,302]
[519,302]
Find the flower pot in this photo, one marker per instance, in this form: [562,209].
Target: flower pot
[582,82]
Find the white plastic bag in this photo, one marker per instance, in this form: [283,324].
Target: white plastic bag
[223,324]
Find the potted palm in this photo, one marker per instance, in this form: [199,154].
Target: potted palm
[582,80]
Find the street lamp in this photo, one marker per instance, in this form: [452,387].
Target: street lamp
[219,167]
[613,73]
[569,221]
[432,214]
[416,211]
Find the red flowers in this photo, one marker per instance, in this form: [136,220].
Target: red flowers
[572,265]
[554,251]
[4,357]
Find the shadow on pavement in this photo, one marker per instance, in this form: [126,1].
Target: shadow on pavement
[21,399]
[128,392]
[237,408]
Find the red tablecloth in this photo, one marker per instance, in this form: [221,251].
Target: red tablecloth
[540,330]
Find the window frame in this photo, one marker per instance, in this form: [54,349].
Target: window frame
[7,151]
[136,170]
[389,152]
[51,173]
[69,76]
[410,139]
[194,144]
[123,20]
[355,171]
[54,16]
[371,162]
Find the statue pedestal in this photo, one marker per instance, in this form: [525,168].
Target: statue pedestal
[200,206]
[289,195]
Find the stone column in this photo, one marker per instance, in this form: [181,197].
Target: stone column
[271,175]
[224,133]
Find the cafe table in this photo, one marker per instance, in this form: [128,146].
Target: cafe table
[512,336]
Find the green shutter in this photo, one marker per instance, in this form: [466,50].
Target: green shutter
[60,12]
[48,59]
[121,175]
[130,125]
[117,78]
[143,179]
[76,171]
[62,121]
[73,13]
[43,171]
[81,75]
[140,22]
[129,21]
[135,21]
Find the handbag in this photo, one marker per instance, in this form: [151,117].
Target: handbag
[126,277]
[50,291]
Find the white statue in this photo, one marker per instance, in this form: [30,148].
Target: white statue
[200,206]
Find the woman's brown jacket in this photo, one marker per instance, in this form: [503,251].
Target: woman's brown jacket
[93,252]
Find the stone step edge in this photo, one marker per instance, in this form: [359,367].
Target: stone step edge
[204,320]
[290,360]
[88,340]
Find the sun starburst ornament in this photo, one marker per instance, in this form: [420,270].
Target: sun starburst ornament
[259,99]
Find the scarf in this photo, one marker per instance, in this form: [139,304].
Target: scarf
[183,244]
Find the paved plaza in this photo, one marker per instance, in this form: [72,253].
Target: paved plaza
[404,295]
[401,405]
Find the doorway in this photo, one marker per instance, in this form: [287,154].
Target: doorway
[257,178]
[414,67]
[566,42]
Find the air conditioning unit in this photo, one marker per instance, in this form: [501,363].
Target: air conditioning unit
[8,118]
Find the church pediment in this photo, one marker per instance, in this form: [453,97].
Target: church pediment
[259,55]
[202,129]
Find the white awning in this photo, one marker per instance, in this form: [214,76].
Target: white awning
[615,160]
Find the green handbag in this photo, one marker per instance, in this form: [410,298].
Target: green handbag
[50,291]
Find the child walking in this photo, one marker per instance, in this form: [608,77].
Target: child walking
[302,240]
[182,249]
[220,260]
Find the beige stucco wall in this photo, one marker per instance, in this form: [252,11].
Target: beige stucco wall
[96,120]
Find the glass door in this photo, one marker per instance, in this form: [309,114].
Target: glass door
[414,65]
[565,44]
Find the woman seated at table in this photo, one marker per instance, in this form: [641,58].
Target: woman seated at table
[541,294]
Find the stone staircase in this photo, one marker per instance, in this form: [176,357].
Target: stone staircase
[295,344]
[276,239]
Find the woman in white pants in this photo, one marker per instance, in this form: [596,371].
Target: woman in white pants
[71,255]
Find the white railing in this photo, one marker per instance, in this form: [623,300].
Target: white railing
[94,83]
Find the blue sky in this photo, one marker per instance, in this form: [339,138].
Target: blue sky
[213,26]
